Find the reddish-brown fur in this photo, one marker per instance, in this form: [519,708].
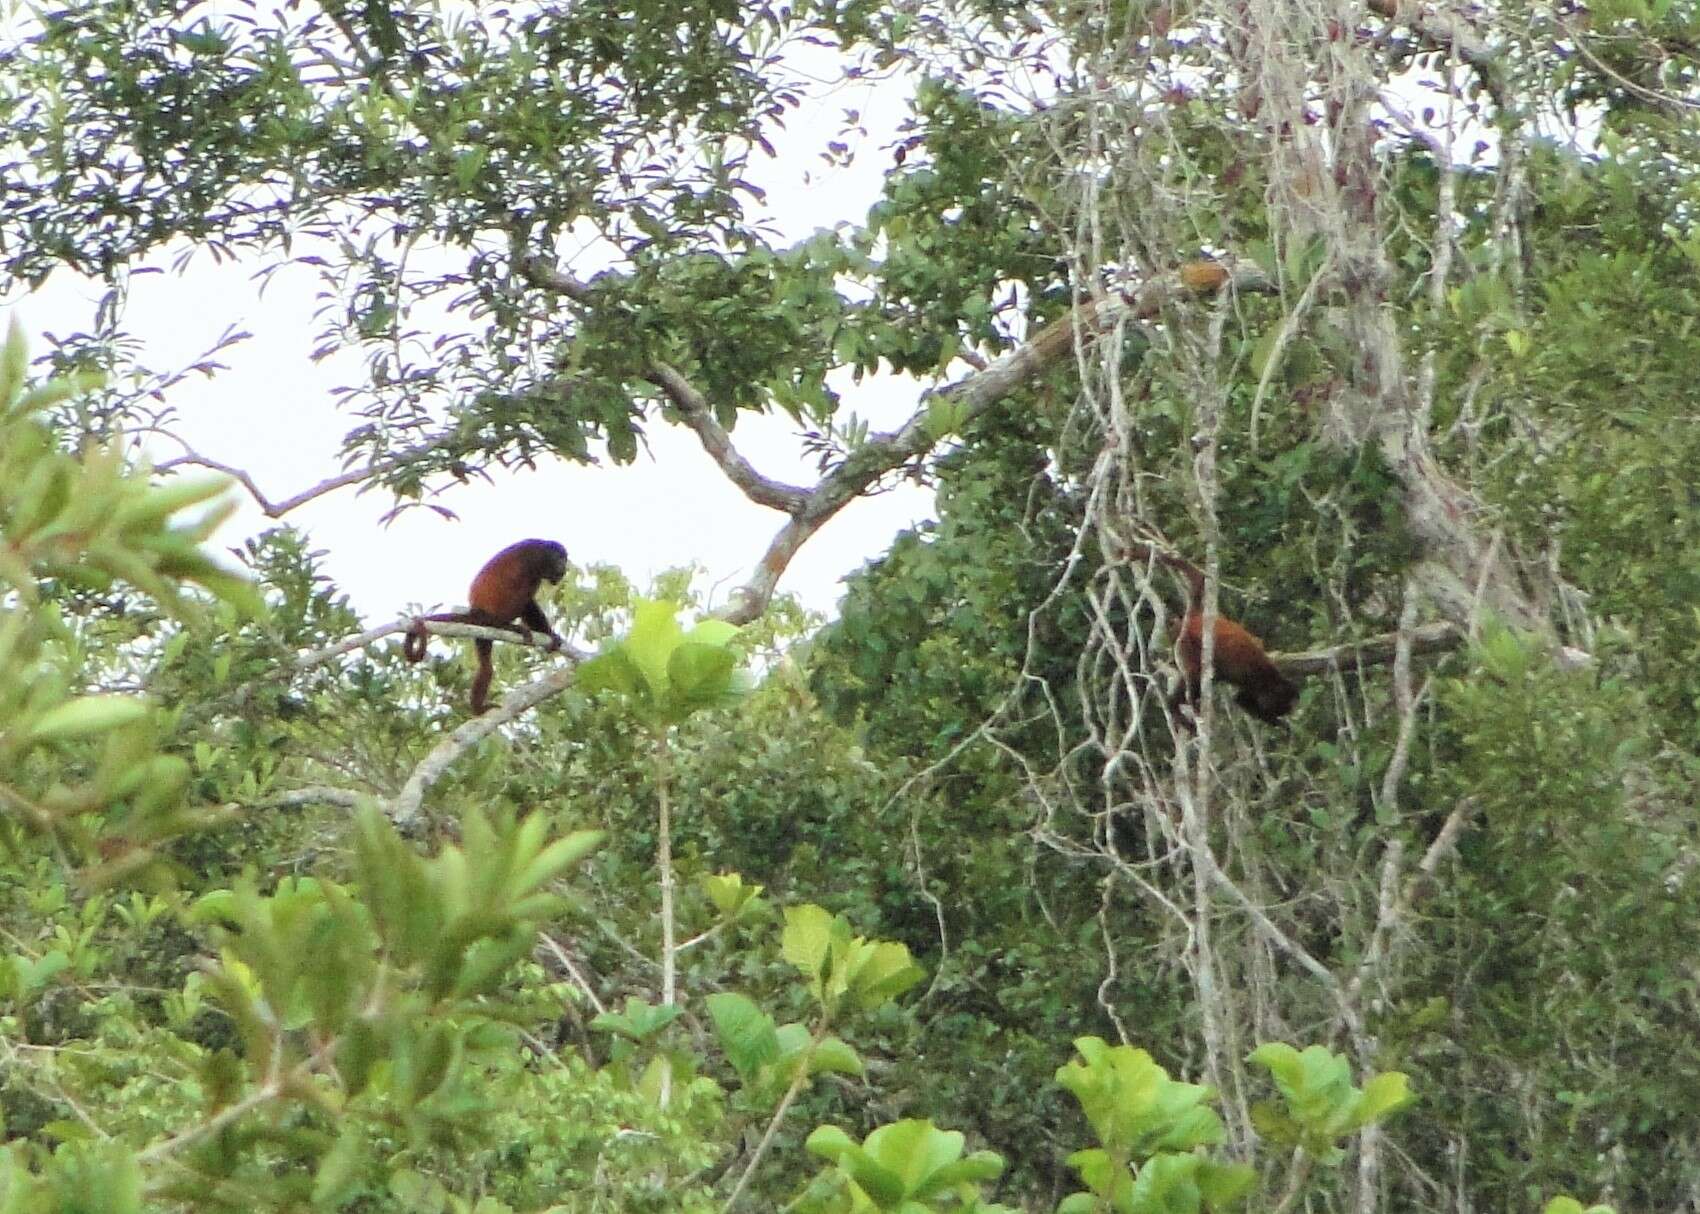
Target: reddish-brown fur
[1238,656]
[504,591]
[1241,660]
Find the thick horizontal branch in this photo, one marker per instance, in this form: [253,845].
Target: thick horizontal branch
[1372,651]
[436,628]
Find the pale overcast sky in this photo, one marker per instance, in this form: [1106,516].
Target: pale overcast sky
[273,415]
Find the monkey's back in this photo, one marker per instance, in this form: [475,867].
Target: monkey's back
[1240,660]
[1236,649]
[506,584]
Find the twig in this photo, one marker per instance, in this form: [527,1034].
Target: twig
[560,954]
[278,509]
[797,1082]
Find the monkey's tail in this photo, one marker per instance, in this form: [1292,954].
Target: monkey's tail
[1192,574]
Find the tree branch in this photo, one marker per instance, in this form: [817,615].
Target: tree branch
[811,509]
[693,407]
[404,809]
[1447,28]
[1371,651]
[278,509]
[435,628]
[887,451]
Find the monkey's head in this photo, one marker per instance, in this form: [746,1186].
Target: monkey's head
[1269,699]
[549,560]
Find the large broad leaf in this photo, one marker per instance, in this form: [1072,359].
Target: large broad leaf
[712,632]
[746,1033]
[877,973]
[807,941]
[655,634]
[836,1056]
[1383,1096]
[700,676]
[665,673]
[610,671]
[1132,1104]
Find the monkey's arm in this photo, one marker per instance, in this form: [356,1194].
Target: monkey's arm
[534,619]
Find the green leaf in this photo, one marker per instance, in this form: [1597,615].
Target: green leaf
[807,941]
[339,1169]
[712,632]
[728,892]
[699,676]
[829,1142]
[653,637]
[746,1033]
[836,1056]
[612,671]
[881,972]
[88,714]
[558,856]
[1383,1095]
[14,364]
[639,1021]
[1223,1184]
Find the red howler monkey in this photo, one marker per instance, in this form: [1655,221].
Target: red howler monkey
[504,591]
[1238,656]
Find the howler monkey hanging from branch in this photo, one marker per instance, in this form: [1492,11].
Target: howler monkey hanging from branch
[1238,656]
[504,591]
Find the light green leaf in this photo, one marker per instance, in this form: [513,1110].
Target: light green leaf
[88,714]
[807,941]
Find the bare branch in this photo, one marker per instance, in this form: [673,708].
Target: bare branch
[404,810]
[887,451]
[554,948]
[1371,651]
[359,640]
[278,509]
[436,628]
[697,414]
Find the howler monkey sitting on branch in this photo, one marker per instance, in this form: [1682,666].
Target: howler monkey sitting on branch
[1238,656]
[504,591]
